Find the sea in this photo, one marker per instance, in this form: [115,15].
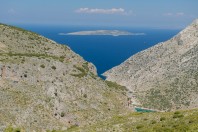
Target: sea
[104,52]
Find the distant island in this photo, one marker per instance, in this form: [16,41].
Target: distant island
[102,32]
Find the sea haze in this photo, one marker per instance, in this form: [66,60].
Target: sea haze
[104,52]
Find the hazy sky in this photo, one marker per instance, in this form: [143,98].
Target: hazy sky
[133,13]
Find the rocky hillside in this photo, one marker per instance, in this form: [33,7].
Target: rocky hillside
[165,76]
[46,86]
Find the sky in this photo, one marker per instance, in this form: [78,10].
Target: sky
[131,13]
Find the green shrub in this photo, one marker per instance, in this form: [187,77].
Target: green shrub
[178,116]
[85,66]
[62,57]
[53,67]
[162,118]
[153,122]
[145,119]
[177,112]
[93,75]
[42,66]
[80,69]
[39,56]
[190,121]
[139,126]
[11,129]
[62,114]
[82,74]
[85,95]
[115,85]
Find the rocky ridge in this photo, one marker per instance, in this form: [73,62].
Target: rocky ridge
[165,76]
[46,86]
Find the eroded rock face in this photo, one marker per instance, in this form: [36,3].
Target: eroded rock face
[165,76]
[46,86]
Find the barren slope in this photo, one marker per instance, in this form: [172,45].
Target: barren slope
[44,85]
[165,76]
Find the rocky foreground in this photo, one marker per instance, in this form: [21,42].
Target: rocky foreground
[46,86]
[165,76]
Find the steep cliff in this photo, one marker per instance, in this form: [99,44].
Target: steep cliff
[165,76]
[46,86]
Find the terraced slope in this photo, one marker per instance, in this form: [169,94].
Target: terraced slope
[165,76]
[46,86]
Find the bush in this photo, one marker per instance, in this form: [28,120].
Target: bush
[162,118]
[62,114]
[85,66]
[82,74]
[115,85]
[53,67]
[62,57]
[190,121]
[145,119]
[178,116]
[11,129]
[177,112]
[25,75]
[42,66]
[85,95]
[153,122]
[139,126]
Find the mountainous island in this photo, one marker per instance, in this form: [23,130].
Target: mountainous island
[46,87]
[102,32]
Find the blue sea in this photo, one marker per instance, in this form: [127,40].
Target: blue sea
[104,52]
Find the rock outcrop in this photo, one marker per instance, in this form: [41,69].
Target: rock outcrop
[46,86]
[165,76]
